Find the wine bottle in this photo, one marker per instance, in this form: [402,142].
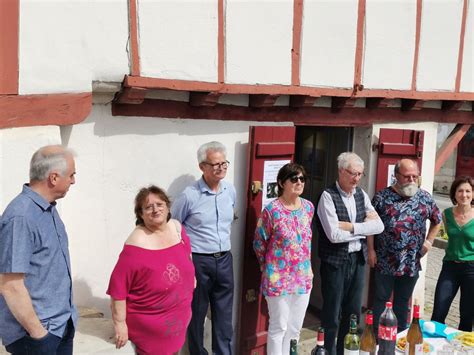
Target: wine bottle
[293,347]
[319,348]
[414,344]
[351,340]
[368,345]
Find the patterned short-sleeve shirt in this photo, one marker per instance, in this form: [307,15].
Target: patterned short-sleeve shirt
[282,243]
[398,247]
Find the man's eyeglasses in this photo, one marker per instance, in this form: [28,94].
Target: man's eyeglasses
[354,174]
[294,179]
[216,166]
[153,206]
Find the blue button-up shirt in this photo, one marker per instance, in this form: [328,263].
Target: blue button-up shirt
[33,241]
[206,215]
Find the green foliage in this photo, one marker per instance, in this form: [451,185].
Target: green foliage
[442,233]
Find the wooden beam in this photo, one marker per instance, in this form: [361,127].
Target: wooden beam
[220,42]
[457,84]
[320,116]
[198,98]
[295,51]
[131,95]
[419,10]
[451,143]
[9,34]
[376,102]
[447,105]
[41,110]
[338,103]
[297,101]
[258,101]
[409,104]
[133,28]
[273,89]
[359,45]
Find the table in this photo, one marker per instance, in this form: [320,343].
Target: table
[436,343]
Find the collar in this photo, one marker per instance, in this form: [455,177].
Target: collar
[37,198]
[343,193]
[203,187]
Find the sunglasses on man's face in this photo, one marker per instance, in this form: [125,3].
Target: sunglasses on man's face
[294,179]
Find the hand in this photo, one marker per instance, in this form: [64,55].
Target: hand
[426,247]
[371,215]
[121,334]
[372,258]
[346,226]
[40,333]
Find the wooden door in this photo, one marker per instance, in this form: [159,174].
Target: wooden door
[465,156]
[266,145]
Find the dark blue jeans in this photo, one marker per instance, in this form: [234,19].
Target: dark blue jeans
[452,277]
[215,286]
[48,345]
[402,287]
[342,296]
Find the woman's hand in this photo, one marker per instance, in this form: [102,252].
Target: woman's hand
[121,334]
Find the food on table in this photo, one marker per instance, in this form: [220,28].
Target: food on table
[402,342]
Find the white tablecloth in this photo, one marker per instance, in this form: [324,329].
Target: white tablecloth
[436,343]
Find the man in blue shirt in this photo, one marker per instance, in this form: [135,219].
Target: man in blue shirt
[37,315]
[206,209]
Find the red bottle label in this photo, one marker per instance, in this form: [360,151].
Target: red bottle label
[387,333]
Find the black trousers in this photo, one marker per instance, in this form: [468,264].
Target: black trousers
[215,287]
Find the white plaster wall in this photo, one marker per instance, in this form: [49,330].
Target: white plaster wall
[178,39]
[328,43]
[389,44]
[427,175]
[258,41]
[467,78]
[17,145]
[439,44]
[65,45]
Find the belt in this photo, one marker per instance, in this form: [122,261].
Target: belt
[463,261]
[217,255]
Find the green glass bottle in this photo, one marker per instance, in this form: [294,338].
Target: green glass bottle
[352,340]
[293,347]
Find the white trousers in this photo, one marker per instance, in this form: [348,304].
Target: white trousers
[286,320]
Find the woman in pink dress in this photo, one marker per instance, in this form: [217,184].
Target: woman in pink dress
[152,284]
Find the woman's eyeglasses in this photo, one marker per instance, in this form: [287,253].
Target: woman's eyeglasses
[294,179]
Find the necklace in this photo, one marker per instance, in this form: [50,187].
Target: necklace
[291,205]
[462,216]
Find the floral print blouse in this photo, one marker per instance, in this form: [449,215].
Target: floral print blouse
[282,243]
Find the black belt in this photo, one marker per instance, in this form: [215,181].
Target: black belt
[462,261]
[217,255]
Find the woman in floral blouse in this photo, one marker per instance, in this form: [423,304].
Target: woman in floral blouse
[282,243]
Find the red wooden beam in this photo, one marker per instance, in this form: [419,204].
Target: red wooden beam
[187,85]
[41,110]
[338,103]
[198,98]
[321,116]
[9,27]
[419,9]
[262,100]
[302,101]
[376,102]
[220,41]
[131,95]
[295,51]
[451,105]
[410,104]
[451,143]
[457,85]
[134,50]
[359,45]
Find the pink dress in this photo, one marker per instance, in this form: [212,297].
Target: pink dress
[158,286]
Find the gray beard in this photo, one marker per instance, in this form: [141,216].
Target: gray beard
[408,190]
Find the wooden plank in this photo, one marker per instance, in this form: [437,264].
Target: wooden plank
[220,42]
[359,45]
[451,143]
[295,51]
[9,27]
[457,85]
[419,10]
[134,48]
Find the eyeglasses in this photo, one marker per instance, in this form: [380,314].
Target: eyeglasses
[294,179]
[354,174]
[151,207]
[409,177]
[216,166]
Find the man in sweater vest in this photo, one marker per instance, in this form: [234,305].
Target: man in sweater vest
[345,217]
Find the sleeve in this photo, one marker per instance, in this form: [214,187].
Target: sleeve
[180,208]
[121,278]
[370,226]
[435,216]
[262,236]
[16,245]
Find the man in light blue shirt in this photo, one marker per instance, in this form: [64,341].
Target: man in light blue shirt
[206,209]
[37,315]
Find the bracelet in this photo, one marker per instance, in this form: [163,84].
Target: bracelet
[429,241]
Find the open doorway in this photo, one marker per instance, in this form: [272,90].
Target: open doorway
[317,148]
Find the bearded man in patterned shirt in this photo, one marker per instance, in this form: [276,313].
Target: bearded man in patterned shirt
[396,253]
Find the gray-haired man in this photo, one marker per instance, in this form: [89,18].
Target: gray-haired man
[37,315]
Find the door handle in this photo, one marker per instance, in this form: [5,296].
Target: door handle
[251,295]
[256,187]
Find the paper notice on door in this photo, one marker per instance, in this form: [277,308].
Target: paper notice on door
[391,175]
[270,186]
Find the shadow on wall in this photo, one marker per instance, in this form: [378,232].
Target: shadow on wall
[83,297]
[179,184]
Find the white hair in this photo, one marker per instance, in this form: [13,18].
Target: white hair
[47,159]
[346,159]
[210,146]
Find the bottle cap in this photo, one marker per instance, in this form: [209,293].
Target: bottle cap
[388,304]
[369,318]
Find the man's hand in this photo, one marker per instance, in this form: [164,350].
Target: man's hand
[121,334]
[346,226]
[426,247]
[371,215]
[372,257]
